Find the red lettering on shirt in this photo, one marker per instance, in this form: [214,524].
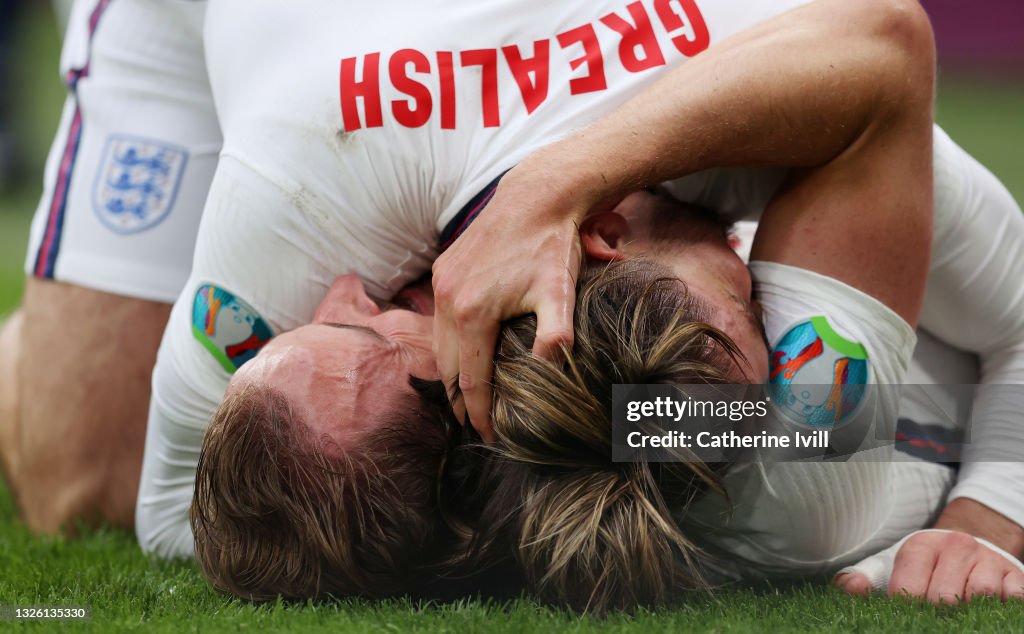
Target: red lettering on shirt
[446,70]
[368,89]
[696,38]
[411,116]
[595,79]
[534,91]
[487,60]
[636,37]
[412,72]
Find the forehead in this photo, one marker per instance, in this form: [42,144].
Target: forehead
[321,352]
[341,378]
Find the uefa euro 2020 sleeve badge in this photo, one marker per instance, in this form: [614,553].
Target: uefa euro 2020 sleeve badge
[227,327]
[817,377]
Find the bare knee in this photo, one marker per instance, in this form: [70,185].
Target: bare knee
[83,394]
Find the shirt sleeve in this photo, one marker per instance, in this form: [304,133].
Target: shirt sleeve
[253,276]
[791,295]
[210,334]
[810,517]
[188,385]
[975,301]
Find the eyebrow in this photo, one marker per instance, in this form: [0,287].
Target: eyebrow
[358,328]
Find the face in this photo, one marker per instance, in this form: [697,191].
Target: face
[353,362]
[355,359]
[698,252]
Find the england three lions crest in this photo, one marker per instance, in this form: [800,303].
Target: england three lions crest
[137,182]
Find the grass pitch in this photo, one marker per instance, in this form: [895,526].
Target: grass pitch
[105,571]
[127,592]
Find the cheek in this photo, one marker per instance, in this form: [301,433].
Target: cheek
[424,366]
[757,356]
[760,362]
[418,356]
[415,339]
[751,346]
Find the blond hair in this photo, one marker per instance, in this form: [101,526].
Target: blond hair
[590,533]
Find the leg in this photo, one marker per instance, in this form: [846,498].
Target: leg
[82,397]
[83,376]
[10,353]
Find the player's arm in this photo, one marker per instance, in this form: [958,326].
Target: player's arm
[187,387]
[973,301]
[978,279]
[798,90]
[235,300]
[101,281]
[211,332]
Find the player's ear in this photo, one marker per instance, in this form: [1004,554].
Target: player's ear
[603,235]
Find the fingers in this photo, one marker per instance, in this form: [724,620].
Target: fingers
[941,566]
[446,355]
[986,578]
[912,570]
[554,322]
[956,560]
[854,584]
[476,368]
[556,304]
[478,285]
[464,341]
[1013,586]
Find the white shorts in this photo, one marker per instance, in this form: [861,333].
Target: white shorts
[129,170]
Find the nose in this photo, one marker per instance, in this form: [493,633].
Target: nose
[346,303]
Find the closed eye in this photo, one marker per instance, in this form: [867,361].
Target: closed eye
[358,328]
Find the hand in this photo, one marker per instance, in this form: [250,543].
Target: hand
[521,255]
[941,566]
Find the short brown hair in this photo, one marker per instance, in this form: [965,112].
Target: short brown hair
[280,512]
[589,533]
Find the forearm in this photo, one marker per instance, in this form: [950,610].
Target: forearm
[977,519]
[165,487]
[976,217]
[991,475]
[187,388]
[795,91]
[992,462]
